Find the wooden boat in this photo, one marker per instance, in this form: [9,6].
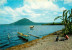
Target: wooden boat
[31,26]
[24,37]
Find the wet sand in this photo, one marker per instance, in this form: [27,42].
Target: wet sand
[46,43]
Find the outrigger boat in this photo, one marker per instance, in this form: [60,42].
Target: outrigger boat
[24,37]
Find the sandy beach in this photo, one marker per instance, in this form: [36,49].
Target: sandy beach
[46,43]
[50,44]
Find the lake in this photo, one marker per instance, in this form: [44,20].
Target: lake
[38,30]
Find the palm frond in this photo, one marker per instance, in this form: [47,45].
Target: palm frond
[64,12]
[67,11]
[57,17]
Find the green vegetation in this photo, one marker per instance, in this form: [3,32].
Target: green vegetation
[53,23]
[23,21]
[66,21]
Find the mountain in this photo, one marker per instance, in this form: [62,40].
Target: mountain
[23,21]
[26,21]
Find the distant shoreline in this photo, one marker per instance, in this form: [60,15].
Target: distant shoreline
[52,23]
[38,24]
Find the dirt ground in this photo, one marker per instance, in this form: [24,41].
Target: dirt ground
[46,43]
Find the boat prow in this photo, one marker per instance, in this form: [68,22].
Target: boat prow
[31,26]
[24,37]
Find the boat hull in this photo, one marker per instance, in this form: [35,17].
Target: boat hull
[23,38]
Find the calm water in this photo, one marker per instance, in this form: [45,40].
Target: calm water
[38,30]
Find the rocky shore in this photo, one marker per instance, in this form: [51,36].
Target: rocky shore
[45,43]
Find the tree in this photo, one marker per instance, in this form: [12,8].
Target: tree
[66,20]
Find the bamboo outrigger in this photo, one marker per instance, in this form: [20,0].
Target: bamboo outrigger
[25,37]
[34,36]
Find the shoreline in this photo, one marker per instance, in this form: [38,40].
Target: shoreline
[33,42]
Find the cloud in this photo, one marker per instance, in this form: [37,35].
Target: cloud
[46,10]
[43,5]
[2,2]
[68,2]
[55,13]
[11,12]
[8,14]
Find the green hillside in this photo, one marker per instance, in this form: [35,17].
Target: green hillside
[26,21]
[23,21]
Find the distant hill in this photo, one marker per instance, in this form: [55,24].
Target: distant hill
[25,21]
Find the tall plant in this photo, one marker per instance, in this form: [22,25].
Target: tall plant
[66,20]
[70,21]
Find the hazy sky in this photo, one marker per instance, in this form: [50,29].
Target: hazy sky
[35,10]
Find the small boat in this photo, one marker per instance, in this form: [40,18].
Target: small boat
[24,37]
[31,26]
